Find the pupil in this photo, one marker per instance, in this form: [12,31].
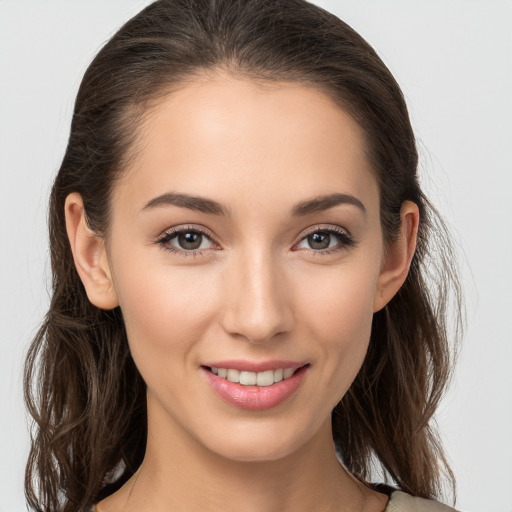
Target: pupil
[189,240]
[319,240]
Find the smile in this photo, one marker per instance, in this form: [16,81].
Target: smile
[255,386]
[246,378]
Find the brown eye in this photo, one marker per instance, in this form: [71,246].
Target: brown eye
[320,240]
[326,241]
[186,241]
[189,240]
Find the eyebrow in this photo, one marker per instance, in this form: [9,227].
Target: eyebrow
[322,203]
[204,205]
[200,204]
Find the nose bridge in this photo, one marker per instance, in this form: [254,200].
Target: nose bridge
[258,305]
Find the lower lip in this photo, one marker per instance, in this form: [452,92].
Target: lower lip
[255,398]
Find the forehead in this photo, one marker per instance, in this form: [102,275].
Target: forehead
[231,137]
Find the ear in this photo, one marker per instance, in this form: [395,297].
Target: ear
[398,256]
[89,255]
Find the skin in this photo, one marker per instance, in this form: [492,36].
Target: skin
[257,291]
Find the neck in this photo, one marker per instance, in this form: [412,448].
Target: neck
[181,471]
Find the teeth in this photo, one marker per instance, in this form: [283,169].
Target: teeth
[252,378]
[248,378]
[233,375]
[265,378]
[287,372]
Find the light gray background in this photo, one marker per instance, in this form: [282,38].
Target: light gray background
[453,59]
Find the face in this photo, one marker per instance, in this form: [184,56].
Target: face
[245,243]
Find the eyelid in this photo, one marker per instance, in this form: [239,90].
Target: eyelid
[185,227]
[170,233]
[325,227]
[344,236]
[345,239]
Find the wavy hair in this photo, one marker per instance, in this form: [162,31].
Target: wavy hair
[82,388]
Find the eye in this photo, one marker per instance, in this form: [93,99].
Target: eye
[187,241]
[326,241]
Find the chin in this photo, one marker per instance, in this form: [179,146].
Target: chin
[260,443]
[255,452]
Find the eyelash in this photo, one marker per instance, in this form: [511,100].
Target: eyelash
[173,233]
[345,240]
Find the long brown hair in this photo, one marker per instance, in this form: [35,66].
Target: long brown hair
[82,387]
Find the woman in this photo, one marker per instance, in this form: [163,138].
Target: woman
[239,250]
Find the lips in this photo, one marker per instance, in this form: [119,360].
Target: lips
[255,386]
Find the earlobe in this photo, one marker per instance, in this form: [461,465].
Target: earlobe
[398,256]
[89,255]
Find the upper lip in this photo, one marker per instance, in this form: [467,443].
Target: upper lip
[255,366]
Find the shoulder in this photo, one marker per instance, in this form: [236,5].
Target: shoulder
[402,502]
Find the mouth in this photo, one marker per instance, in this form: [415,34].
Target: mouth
[247,378]
[255,386]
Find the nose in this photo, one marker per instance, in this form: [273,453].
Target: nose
[258,304]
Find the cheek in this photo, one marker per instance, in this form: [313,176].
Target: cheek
[338,311]
[341,300]
[165,310]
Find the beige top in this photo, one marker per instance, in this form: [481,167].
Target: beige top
[402,502]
